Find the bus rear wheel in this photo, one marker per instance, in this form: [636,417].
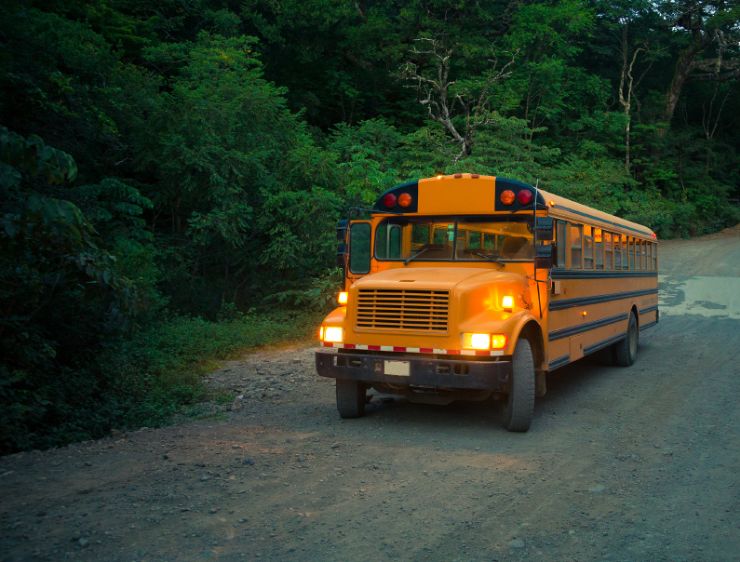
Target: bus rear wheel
[625,351]
[350,398]
[519,408]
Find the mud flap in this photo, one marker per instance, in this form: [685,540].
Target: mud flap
[540,382]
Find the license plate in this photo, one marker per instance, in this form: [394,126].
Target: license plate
[397,368]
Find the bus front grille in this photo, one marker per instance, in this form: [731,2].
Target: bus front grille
[403,309]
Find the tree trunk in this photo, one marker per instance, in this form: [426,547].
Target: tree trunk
[681,73]
[626,87]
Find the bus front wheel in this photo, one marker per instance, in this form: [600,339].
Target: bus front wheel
[350,398]
[519,408]
[625,351]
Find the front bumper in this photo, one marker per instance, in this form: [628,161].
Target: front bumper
[424,372]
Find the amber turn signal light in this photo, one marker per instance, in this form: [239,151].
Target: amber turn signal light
[507,197]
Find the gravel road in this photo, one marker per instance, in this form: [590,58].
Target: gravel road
[640,463]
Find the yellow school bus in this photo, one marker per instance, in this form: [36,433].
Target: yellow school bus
[470,287]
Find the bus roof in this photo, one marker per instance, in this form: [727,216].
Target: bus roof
[475,194]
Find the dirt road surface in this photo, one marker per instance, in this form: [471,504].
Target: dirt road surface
[641,463]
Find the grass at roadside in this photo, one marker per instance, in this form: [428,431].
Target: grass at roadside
[159,372]
[140,380]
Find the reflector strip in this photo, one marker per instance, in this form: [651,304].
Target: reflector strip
[399,349]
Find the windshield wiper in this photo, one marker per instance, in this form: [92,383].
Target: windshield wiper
[490,257]
[416,255]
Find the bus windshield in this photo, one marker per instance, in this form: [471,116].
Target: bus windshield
[443,239]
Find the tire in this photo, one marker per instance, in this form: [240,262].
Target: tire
[519,409]
[350,398]
[625,351]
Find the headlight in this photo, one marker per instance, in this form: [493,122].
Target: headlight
[343,297]
[333,334]
[476,341]
[483,341]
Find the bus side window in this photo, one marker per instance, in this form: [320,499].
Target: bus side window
[588,247]
[631,253]
[574,238]
[608,251]
[560,241]
[655,257]
[617,251]
[625,253]
[598,248]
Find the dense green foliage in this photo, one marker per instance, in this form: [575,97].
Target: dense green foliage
[196,155]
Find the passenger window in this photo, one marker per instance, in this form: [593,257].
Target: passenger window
[617,251]
[588,247]
[655,257]
[576,253]
[644,248]
[648,255]
[560,243]
[625,252]
[631,253]
[598,248]
[608,251]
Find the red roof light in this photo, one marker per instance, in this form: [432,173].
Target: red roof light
[524,197]
[389,200]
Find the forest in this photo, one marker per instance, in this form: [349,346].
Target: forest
[171,172]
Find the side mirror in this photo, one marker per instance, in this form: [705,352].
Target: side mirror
[544,228]
[342,229]
[342,243]
[543,256]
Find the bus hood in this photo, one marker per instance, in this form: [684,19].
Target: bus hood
[435,278]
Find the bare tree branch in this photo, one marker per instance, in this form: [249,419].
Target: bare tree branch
[443,101]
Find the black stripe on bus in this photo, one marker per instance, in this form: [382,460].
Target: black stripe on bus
[602,344]
[589,274]
[559,362]
[646,326]
[649,308]
[569,303]
[595,218]
[573,330]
